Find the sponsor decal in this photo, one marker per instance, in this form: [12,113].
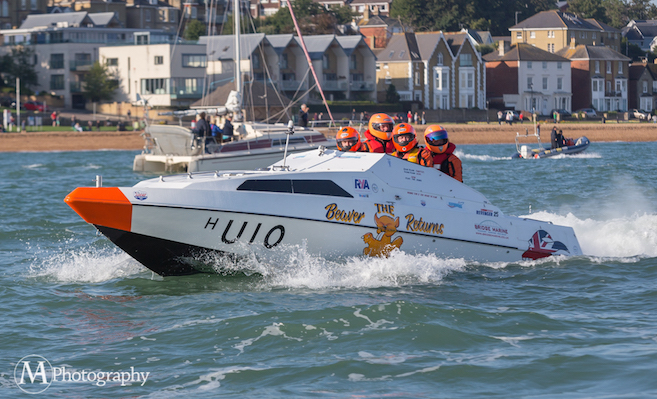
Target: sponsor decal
[421,194]
[541,245]
[387,225]
[140,195]
[423,203]
[375,188]
[491,229]
[364,195]
[414,174]
[333,213]
[272,238]
[487,212]
[361,184]
[455,204]
[413,224]
[33,374]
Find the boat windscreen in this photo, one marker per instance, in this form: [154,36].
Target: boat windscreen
[313,187]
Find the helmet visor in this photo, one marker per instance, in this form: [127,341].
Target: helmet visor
[346,144]
[382,127]
[404,138]
[436,138]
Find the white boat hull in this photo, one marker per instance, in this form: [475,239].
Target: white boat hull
[182,225]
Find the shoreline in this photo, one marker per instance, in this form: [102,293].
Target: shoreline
[491,133]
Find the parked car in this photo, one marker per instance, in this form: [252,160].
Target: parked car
[35,106]
[637,113]
[561,112]
[590,112]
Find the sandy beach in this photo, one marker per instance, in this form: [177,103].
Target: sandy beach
[459,134]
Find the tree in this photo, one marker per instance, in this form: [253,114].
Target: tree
[20,64]
[194,30]
[392,97]
[99,84]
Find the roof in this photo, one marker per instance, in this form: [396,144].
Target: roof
[281,41]
[401,47]
[72,19]
[455,40]
[525,52]
[253,94]
[102,19]
[584,52]
[224,45]
[427,43]
[554,19]
[601,25]
[350,43]
[317,45]
[638,29]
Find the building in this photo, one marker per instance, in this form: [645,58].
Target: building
[553,30]
[642,86]
[601,75]
[148,14]
[641,33]
[14,12]
[524,77]
[378,30]
[164,77]
[67,44]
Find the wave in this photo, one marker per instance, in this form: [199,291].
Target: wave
[482,158]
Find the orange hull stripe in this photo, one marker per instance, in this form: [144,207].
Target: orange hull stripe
[104,206]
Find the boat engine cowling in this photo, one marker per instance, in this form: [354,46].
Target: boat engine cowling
[525,152]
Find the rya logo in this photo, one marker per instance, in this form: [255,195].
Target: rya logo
[362,184]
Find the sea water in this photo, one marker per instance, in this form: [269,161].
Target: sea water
[406,326]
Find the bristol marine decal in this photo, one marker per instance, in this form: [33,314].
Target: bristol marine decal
[333,213]
[541,245]
[270,239]
[387,226]
[491,229]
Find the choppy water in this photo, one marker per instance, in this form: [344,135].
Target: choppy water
[407,326]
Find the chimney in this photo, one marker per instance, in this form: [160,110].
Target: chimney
[572,42]
[376,10]
[366,13]
[502,47]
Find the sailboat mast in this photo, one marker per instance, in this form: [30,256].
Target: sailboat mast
[238,59]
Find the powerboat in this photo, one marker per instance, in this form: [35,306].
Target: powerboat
[571,147]
[333,204]
[175,149]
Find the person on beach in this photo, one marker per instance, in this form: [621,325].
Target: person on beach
[437,140]
[379,134]
[500,117]
[405,141]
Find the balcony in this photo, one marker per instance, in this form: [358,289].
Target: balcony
[80,65]
[614,93]
[290,85]
[334,85]
[362,86]
[76,87]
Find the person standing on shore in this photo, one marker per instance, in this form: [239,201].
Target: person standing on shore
[500,116]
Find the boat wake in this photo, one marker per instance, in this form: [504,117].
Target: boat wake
[481,158]
[631,236]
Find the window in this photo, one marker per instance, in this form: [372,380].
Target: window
[56,61]
[5,9]
[284,63]
[354,62]
[56,82]
[620,67]
[559,83]
[325,61]
[194,61]
[388,79]
[466,59]
[187,86]
[147,16]
[645,87]
[518,35]
[545,83]
[529,65]
[550,33]
[532,35]
[159,60]
[440,58]
[312,187]
[530,83]
[23,4]
[255,59]
[142,38]
[559,66]
[609,86]
[597,67]
[112,62]
[608,66]
[154,86]
[544,64]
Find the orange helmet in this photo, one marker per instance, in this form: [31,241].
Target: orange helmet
[381,126]
[348,139]
[436,139]
[403,137]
